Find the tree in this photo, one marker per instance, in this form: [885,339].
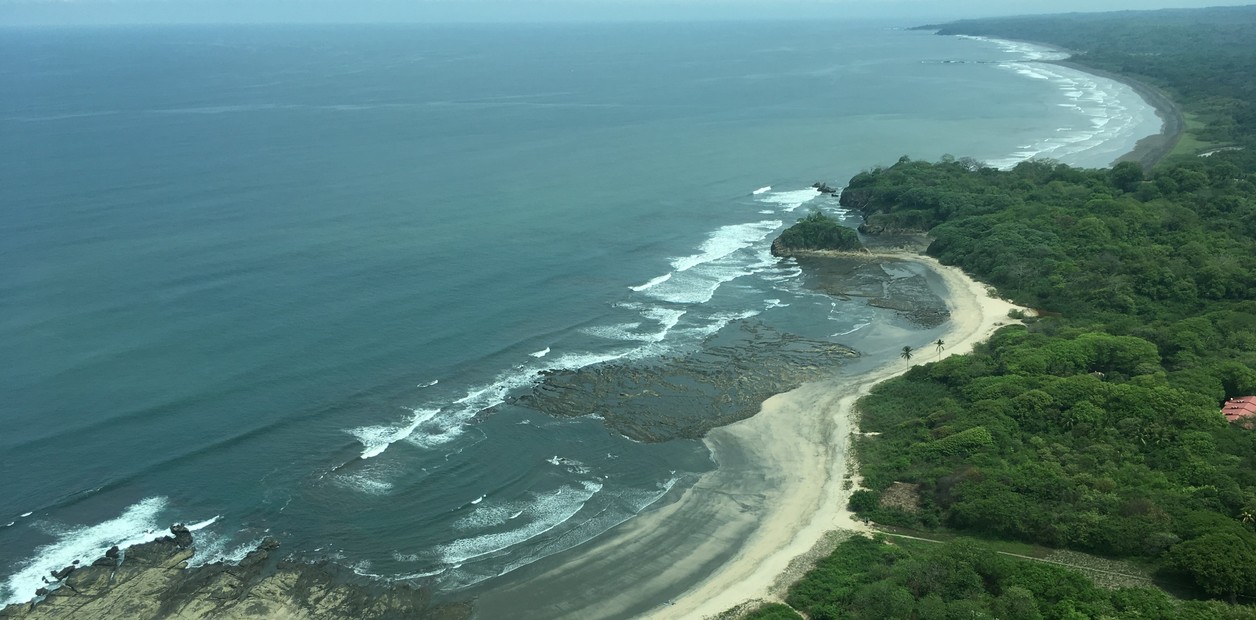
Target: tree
[940,344]
[906,354]
[1221,563]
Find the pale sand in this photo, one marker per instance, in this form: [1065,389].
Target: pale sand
[731,537]
[801,440]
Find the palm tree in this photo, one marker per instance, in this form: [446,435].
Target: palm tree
[906,354]
[940,345]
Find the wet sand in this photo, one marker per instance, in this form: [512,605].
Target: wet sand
[732,536]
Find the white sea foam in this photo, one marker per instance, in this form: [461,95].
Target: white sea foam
[362,482]
[486,516]
[429,383]
[726,240]
[719,321]
[762,190]
[629,504]
[433,426]
[478,500]
[137,524]
[26,514]
[550,511]
[621,331]
[418,575]
[376,439]
[1112,124]
[667,319]
[1027,51]
[699,276]
[213,549]
[791,200]
[852,330]
[655,281]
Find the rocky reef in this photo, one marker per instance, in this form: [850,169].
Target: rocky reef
[685,396]
[152,581]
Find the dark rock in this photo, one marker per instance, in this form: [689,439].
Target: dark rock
[113,552]
[824,188]
[261,553]
[182,536]
[63,573]
[105,561]
[41,592]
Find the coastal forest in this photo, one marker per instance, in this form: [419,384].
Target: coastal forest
[1095,425]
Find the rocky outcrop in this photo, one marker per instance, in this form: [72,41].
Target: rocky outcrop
[152,581]
[824,188]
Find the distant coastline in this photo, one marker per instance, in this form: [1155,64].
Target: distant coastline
[1149,150]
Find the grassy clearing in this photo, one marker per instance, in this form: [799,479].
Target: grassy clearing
[1190,145]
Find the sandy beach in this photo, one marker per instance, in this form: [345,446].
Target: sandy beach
[734,535]
[804,436]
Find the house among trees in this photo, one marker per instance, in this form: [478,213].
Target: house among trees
[1240,410]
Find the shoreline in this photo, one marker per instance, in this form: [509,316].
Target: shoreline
[812,501]
[745,530]
[1149,150]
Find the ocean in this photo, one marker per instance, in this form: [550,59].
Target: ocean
[292,281]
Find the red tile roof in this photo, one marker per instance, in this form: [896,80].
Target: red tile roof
[1239,408]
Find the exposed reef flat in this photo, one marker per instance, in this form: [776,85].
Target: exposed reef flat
[686,396]
[878,277]
[152,581]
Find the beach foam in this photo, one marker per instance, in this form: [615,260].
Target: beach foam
[726,240]
[376,439]
[214,548]
[697,277]
[547,513]
[139,523]
[653,282]
[1109,117]
[791,200]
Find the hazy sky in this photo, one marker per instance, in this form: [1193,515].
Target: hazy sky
[906,11]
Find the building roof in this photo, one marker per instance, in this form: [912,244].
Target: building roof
[1239,408]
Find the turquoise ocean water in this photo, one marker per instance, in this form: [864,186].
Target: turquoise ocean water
[281,280]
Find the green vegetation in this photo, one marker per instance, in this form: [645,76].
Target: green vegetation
[870,578]
[1096,427]
[817,231]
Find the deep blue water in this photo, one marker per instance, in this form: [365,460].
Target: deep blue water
[267,280]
